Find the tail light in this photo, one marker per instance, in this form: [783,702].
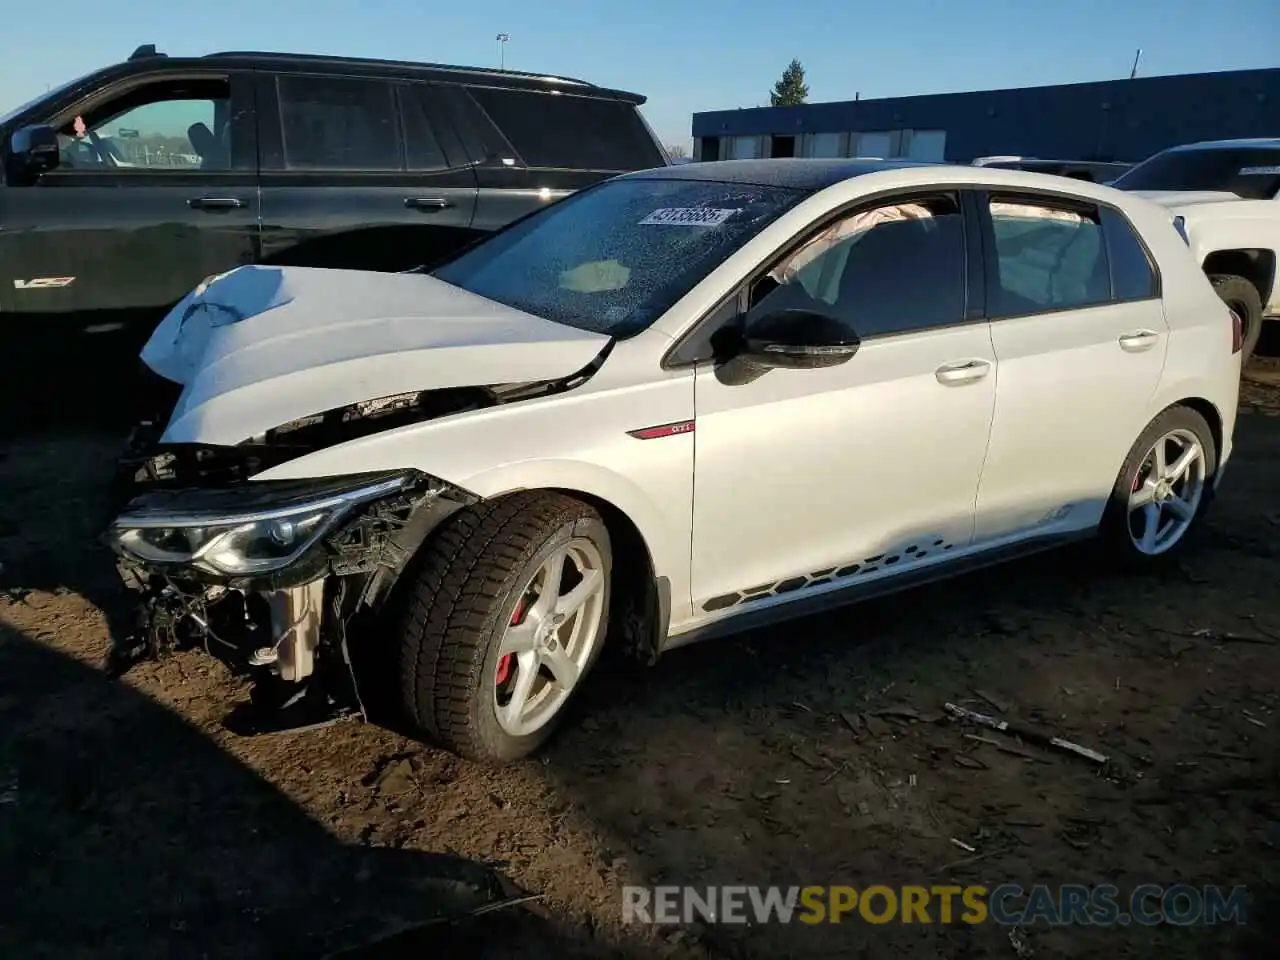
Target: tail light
[1180,224]
[1237,332]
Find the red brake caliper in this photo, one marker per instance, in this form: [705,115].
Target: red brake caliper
[507,661]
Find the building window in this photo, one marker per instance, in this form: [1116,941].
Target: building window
[928,145]
[878,145]
[824,145]
[744,148]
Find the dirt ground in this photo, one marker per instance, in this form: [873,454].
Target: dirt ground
[132,825]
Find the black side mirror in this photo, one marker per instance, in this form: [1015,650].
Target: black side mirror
[33,150]
[799,340]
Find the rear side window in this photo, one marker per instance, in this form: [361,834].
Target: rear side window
[338,123]
[421,148]
[559,130]
[1132,275]
[1047,258]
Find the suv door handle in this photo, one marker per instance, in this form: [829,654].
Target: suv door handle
[1139,340]
[215,203]
[427,204]
[962,371]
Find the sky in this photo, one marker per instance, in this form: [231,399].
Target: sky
[684,55]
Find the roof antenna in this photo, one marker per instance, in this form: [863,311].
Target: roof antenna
[1138,56]
[143,52]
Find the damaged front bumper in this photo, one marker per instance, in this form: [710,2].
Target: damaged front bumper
[270,577]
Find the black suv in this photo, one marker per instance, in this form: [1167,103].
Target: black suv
[124,189]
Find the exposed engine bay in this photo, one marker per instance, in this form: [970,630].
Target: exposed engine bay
[273,577]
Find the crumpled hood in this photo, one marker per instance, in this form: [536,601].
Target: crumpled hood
[1183,198]
[262,346]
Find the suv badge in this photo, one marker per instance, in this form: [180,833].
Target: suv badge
[43,283]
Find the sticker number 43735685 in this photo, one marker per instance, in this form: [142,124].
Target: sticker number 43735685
[688,217]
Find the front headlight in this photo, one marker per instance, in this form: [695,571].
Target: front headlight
[257,528]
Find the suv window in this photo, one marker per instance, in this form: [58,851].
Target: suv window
[159,127]
[584,133]
[338,123]
[867,269]
[422,149]
[1132,275]
[1047,258]
[1252,173]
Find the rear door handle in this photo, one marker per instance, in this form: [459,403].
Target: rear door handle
[962,371]
[1139,340]
[427,204]
[215,203]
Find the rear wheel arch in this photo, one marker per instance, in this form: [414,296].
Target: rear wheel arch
[1211,416]
[1256,265]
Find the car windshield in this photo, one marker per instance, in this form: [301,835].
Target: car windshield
[614,258]
[1252,173]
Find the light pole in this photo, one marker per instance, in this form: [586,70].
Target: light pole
[502,50]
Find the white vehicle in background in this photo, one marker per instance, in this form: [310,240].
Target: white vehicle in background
[684,402]
[1225,197]
[1094,171]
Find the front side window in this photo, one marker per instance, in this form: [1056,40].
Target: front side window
[891,269]
[1252,173]
[1046,258]
[160,128]
[338,123]
[616,257]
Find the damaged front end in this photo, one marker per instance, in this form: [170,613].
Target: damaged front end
[269,576]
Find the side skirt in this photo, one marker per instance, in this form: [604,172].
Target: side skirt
[783,608]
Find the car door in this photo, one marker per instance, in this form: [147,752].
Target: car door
[813,475]
[1080,337]
[156,189]
[360,172]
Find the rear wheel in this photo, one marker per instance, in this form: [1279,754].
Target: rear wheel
[1243,298]
[1163,490]
[505,617]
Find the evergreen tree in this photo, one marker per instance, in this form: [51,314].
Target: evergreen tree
[791,90]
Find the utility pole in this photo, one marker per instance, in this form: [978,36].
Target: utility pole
[1138,56]
[502,50]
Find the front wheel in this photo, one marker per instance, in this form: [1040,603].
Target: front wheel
[504,618]
[1163,489]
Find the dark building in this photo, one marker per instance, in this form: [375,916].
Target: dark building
[1124,120]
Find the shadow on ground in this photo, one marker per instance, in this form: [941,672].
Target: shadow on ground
[130,826]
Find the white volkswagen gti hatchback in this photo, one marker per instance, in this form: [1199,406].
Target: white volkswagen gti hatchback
[683,402]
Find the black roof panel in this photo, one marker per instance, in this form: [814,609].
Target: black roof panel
[443,71]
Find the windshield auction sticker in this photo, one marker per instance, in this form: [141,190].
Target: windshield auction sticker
[688,217]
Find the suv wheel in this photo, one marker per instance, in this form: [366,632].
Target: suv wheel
[504,618]
[1242,297]
[1163,490]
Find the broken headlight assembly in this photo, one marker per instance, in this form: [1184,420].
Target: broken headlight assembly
[251,530]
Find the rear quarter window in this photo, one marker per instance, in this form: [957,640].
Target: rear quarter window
[1133,276]
[561,130]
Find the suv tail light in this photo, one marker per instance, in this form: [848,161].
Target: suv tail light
[1237,331]
[1180,224]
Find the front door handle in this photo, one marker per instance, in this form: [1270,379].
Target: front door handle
[215,203]
[962,371]
[427,204]
[1139,340]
